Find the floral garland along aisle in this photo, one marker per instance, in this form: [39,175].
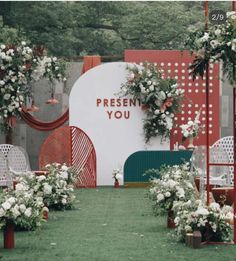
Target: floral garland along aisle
[161,98]
[174,190]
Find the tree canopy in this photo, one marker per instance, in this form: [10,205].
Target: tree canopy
[104,28]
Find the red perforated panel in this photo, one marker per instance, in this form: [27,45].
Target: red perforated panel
[175,64]
[72,146]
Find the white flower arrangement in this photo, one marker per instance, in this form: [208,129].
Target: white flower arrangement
[192,128]
[175,184]
[56,188]
[217,44]
[212,221]
[21,208]
[20,66]
[117,174]
[161,97]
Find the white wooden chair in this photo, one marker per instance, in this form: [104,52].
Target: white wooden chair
[5,176]
[18,161]
[227,144]
[4,148]
[219,175]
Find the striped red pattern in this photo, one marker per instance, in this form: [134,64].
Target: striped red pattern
[72,146]
[83,158]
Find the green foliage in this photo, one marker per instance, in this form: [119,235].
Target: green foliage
[104,28]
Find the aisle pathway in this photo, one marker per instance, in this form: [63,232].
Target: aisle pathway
[108,225]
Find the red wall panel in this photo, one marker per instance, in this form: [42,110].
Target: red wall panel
[175,64]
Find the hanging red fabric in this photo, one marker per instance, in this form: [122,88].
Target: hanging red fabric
[43,125]
[89,62]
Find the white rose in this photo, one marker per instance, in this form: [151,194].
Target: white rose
[64,175]
[41,178]
[63,201]
[160,197]
[167,194]
[22,208]
[19,187]
[64,167]
[6,205]
[2,46]
[2,83]
[54,59]
[151,88]
[2,212]
[15,211]
[156,112]
[217,32]
[23,43]
[202,211]
[48,60]
[132,76]
[47,189]
[28,212]
[11,200]
[7,96]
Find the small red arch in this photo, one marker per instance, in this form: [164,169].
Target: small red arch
[71,145]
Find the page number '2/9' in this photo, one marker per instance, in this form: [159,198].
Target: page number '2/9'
[217,17]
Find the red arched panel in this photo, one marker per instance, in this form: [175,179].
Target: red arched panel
[72,146]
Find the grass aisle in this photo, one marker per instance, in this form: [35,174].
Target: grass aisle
[108,225]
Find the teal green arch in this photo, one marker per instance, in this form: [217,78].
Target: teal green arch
[140,161]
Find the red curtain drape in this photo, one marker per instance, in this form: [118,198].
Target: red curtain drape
[88,63]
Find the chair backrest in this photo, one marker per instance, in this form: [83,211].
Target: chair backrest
[18,162]
[198,159]
[5,148]
[5,177]
[219,175]
[227,144]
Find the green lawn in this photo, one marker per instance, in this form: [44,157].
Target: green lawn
[108,225]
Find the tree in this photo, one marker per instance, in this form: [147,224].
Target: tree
[104,28]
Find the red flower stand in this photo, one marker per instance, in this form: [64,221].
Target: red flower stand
[116,184]
[170,219]
[8,235]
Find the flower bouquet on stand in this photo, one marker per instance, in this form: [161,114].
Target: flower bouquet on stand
[212,221]
[20,209]
[117,175]
[175,184]
[56,188]
[190,130]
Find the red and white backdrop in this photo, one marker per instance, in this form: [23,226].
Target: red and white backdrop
[114,124]
[175,64]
